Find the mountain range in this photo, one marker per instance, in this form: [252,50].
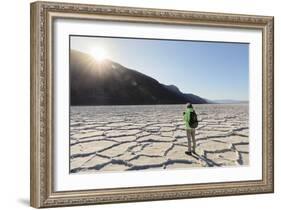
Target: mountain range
[109,83]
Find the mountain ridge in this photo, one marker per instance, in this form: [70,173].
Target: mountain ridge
[110,83]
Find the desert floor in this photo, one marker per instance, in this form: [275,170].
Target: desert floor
[121,138]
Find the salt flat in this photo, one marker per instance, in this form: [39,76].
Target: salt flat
[121,138]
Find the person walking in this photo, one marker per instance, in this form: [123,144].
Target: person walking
[191,122]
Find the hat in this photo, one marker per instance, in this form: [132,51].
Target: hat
[189,105]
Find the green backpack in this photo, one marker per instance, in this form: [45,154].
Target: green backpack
[193,121]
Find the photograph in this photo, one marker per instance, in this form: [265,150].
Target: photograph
[157,104]
[132,104]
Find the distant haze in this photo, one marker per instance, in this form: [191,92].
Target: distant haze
[211,70]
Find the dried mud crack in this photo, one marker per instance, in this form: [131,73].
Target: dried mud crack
[126,138]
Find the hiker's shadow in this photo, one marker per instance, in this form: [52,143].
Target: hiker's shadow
[203,158]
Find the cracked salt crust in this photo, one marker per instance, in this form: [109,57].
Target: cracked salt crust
[154,137]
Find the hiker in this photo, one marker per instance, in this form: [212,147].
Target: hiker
[191,122]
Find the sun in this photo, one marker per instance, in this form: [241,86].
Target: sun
[99,54]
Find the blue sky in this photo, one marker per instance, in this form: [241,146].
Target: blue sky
[212,70]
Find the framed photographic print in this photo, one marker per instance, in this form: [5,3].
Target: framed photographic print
[137,104]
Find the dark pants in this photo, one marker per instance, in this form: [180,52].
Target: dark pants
[190,133]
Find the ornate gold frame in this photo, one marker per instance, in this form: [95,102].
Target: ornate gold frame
[42,17]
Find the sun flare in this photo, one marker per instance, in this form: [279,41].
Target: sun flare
[99,54]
